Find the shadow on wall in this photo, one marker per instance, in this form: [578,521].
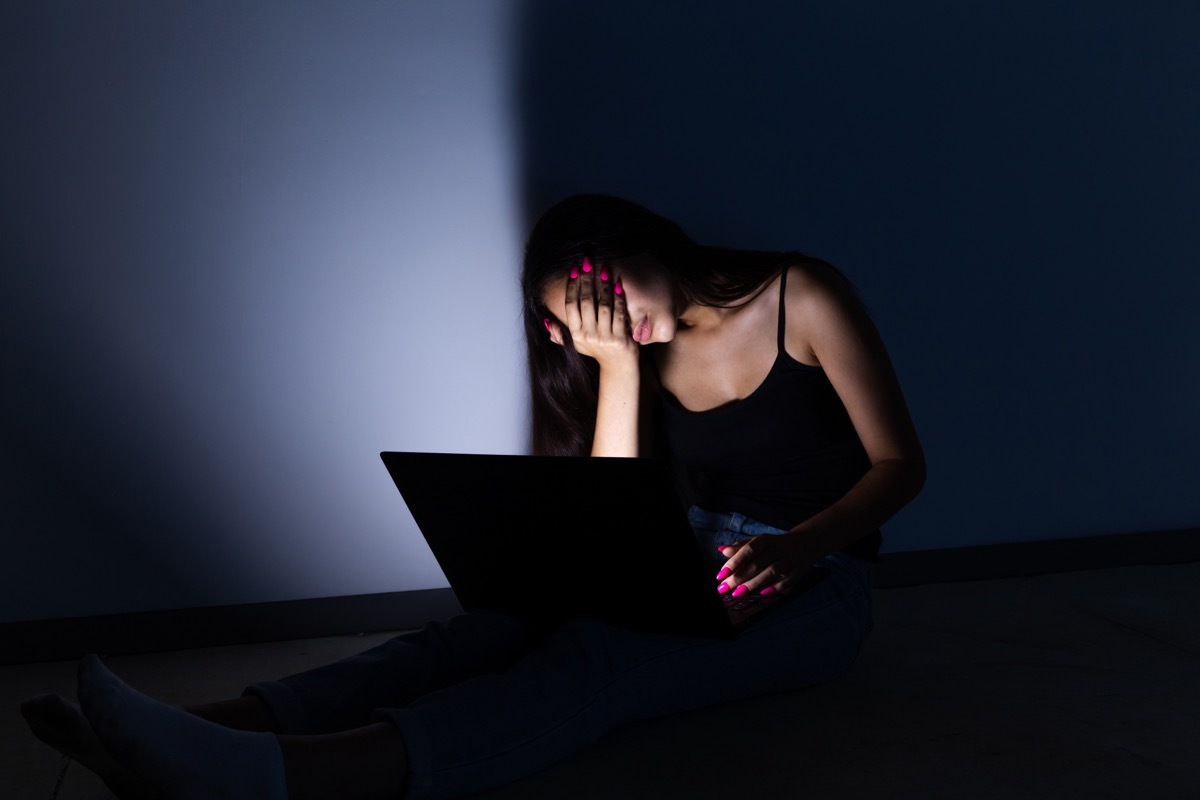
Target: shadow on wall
[1012,186]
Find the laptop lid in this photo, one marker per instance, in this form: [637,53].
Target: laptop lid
[551,538]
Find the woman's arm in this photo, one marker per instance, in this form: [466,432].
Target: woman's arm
[828,325]
[617,412]
[597,319]
[836,331]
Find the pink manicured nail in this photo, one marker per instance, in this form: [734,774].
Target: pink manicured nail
[574,272]
[724,573]
[587,265]
[618,289]
[767,592]
[723,588]
[603,274]
[546,322]
[741,590]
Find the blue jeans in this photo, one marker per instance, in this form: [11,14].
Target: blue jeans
[482,699]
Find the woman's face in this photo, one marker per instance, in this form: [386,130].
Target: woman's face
[650,298]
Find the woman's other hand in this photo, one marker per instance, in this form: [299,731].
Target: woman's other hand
[597,318]
[765,564]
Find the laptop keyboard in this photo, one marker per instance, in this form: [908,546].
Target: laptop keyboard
[739,603]
[739,608]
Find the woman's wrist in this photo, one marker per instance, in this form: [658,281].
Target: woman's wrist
[625,369]
[617,410]
[804,545]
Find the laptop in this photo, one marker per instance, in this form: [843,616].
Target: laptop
[547,539]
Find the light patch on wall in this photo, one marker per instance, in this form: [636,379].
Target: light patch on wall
[291,237]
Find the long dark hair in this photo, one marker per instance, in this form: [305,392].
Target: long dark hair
[563,383]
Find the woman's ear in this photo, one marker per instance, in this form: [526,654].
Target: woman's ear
[555,332]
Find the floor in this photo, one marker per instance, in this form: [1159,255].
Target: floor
[1070,685]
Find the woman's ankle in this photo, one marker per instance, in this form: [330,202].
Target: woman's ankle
[248,713]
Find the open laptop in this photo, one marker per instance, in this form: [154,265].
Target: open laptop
[551,538]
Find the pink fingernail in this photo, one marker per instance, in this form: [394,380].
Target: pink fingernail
[603,274]
[724,573]
[587,265]
[618,288]
[741,590]
[723,588]
[767,592]
[574,272]
[546,322]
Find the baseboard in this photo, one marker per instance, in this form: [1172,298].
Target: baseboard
[213,626]
[1025,559]
[180,629]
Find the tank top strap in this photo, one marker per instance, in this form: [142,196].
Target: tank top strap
[782,311]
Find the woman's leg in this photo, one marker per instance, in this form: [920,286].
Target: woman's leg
[337,697]
[349,690]
[181,756]
[367,763]
[61,724]
[589,678]
[344,695]
[246,713]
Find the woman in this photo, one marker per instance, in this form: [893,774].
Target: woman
[758,375]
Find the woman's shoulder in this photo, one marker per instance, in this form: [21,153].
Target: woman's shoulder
[818,298]
[814,285]
[812,276]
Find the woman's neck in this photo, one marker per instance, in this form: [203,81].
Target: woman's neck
[704,318]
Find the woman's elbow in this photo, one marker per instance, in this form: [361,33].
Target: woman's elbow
[908,473]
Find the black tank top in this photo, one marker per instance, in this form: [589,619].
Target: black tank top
[780,455]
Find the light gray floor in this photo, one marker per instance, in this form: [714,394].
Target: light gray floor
[1074,685]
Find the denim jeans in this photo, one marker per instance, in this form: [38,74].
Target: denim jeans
[482,699]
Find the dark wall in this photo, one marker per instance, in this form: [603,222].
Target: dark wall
[1013,186]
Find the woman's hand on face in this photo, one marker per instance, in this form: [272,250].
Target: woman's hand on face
[765,564]
[597,318]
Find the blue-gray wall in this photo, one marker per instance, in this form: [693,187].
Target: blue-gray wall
[248,245]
